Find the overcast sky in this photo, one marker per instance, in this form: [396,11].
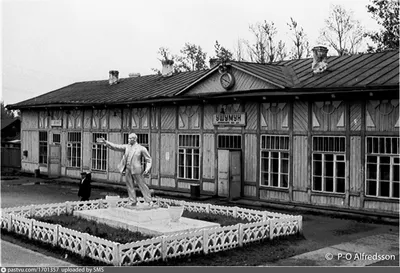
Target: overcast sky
[48,44]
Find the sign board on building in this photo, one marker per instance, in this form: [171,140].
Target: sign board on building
[56,122]
[230,119]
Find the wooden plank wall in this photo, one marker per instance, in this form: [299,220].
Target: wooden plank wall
[300,116]
[114,157]
[155,155]
[208,156]
[382,115]
[328,116]
[250,155]
[301,176]
[274,116]
[168,117]
[168,153]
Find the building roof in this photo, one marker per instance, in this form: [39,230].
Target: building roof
[350,71]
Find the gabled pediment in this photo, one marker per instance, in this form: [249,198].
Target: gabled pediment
[245,78]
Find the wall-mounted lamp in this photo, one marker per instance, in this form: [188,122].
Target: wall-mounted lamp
[25,153]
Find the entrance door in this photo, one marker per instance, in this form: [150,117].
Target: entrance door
[229,173]
[55,161]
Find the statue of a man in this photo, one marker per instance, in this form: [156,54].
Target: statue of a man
[131,164]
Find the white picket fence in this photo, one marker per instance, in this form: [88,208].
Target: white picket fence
[263,225]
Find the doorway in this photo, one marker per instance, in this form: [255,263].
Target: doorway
[54,161]
[229,174]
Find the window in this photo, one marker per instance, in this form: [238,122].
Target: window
[329,164]
[189,157]
[275,161]
[56,139]
[382,167]
[42,147]
[74,149]
[229,142]
[99,153]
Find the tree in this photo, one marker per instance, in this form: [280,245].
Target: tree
[265,48]
[5,113]
[342,31]
[301,48]
[386,13]
[239,53]
[192,58]
[222,54]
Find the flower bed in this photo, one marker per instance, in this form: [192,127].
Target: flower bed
[264,225]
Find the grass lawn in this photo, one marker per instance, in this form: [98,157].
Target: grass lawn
[250,255]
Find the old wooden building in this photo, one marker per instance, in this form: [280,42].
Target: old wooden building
[320,133]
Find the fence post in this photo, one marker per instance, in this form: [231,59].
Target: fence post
[300,221]
[265,217]
[55,235]
[208,208]
[9,228]
[30,226]
[32,211]
[205,241]
[163,248]
[240,230]
[84,247]
[116,254]
[271,228]
[235,212]
[68,208]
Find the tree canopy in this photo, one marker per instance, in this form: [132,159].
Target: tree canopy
[386,13]
[342,32]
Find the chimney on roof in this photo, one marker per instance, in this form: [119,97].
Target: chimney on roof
[167,68]
[113,79]
[320,63]
[134,75]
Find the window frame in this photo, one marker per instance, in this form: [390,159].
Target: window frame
[183,150]
[99,149]
[280,150]
[229,136]
[43,148]
[379,155]
[335,153]
[71,146]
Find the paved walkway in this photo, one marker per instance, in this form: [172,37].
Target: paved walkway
[361,252]
[14,255]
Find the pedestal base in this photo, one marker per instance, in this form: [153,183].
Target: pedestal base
[154,221]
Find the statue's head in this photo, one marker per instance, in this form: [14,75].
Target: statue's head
[132,138]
